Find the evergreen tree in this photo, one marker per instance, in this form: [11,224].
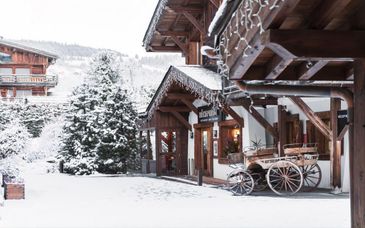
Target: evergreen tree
[118,143]
[100,134]
[80,132]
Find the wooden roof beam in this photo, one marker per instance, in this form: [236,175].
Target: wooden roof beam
[189,8]
[173,33]
[165,48]
[181,45]
[228,110]
[313,117]
[178,96]
[215,3]
[190,104]
[350,74]
[194,21]
[174,109]
[260,119]
[327,11]
[285,10]
[182,120]
[256,102]
[316,43]
[306,72]
[239,69]
[328,73]
[276,66]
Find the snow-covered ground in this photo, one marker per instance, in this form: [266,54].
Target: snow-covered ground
[59,200]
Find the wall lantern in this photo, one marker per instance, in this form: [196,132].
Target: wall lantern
[191,135]
[215,133]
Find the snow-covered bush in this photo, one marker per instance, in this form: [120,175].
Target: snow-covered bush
[33,116]
[13,139]
[100,130]
[48,144]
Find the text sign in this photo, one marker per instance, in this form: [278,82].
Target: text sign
[208,114]
[341,120]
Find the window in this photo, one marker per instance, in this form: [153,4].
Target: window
[22,71]
[6,71]
[230,139]
[5,58]
[23,93]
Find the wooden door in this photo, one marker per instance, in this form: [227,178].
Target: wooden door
[206,153]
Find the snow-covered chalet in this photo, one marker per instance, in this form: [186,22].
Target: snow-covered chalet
[198,116]
[23,70]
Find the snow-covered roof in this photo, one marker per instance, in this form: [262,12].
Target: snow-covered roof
[208,78]
[27,48]
[197,80]
[153,23]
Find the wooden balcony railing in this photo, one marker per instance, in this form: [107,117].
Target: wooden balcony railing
[28,80]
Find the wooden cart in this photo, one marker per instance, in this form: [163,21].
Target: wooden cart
[259,167]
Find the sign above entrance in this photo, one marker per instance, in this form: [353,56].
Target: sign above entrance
[208,114]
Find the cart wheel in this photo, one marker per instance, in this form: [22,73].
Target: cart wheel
[284,178]
[312,176]
[260,182]
[240,183]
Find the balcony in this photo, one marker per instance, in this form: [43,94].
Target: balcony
[28,80]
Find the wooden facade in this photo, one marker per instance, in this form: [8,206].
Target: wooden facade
[24,69]
[295,48]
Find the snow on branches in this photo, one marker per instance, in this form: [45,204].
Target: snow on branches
[100,130]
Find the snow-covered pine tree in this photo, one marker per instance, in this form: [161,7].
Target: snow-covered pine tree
[117,150]
[81,132]
[100,134]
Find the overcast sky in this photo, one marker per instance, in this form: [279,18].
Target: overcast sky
[113,24]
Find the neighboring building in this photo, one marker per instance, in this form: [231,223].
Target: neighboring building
[23,70]
[183,139]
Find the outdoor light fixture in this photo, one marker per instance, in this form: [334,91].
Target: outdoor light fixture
[215,134]
[191,135]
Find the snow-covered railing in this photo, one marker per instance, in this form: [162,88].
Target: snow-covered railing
[32,79]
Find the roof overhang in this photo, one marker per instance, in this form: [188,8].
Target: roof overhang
[172,25]
[293,40]
[185,82]
[25,48]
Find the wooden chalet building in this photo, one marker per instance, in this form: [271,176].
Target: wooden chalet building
[23,70]
[291,71]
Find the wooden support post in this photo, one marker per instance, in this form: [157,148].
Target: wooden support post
[149,146]
[177,41]
[200,176]
[357,157]
[261,120]
[140,142]
[281,129]
[316,120]
[336,148]
[158,151]
[190,105]
[180,118]
[194,21]
[277,66]
[306,73]
[228,110]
